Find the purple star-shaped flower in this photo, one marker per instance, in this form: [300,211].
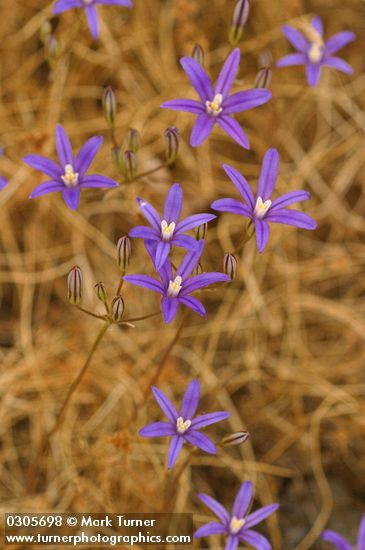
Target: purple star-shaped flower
[68,177]
[176,289]
[314,52]
[90,10]
[168,231]
[341,543]
[181,426]
[237,525]
[215,105]
[261,209]
[3,181]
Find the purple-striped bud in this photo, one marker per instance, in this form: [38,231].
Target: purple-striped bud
[240,16]
[230,265]
[100,292]
[117,309]
[130,164]
[198,54]
[172,140]
[118,159]
[200,232]
[237,438]
[263,78]
[133,140]
[74,285]
[109,106]
[123,253]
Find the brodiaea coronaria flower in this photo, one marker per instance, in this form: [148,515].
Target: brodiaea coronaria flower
[341,543]
[260,209]
[3,181]
[216,105]
[68,176]
[176,289]
[181,426]
[168,231]
[313,51]
[90,10]
[237,525]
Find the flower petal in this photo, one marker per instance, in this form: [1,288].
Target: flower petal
[231,126]
[144,232]
[242,101]
[313,71]
[46,187]
[185,241]
[243,500]
[262,231]
[95,180]
[71,197]
[158,429]
[202,280]
[124,3]
[194,304]
[228,73]
[150,214]
[215,507]
[233,206]
[212,528]
[190,261]
[146,282]
[361,535]
[336,539]
[63,5]
[185,105]
[232,543]
[338,41]
[201,130]
[162,251]
[92,21]
[317,24]
[292,59]
[268,174]
[63,147]
[198,77]
[169,308]
[289,198]
[190,400]
[240,182]
[207,419]
[3,182]
[260,515]
[291,217]
[173,204]
[339,64]
[193,221]
[175,447]
[86,154]
[201,441]
[165,404]
[254,539]
[296,38]
[47,166]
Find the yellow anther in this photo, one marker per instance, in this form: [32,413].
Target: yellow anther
[182,425]
[174,287]
[261,208]
[70,178]
[236,525]
[214,107]
[167,231]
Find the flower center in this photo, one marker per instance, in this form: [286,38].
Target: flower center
[167,231]
[174,287]
[70,178]
[214,107]
[182,425]
[315,52]
[88,2]
[236,525]
[261,208]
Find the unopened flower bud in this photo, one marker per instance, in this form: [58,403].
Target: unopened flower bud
[123,253]
[117,309]
[237,438]
[74,285]
[130,164]
[172,140]
[201,231]
[230,265]
[52,49]
[45,31]
[240,15]
[263,78]
[133,140]
[100,292]
[118,159]
[109,106]
[198,270]
[198,54]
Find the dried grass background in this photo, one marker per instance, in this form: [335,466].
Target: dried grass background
[283,347]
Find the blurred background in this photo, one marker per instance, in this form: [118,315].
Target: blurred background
[283,347]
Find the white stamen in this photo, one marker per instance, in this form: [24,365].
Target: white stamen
[167,231]
[214,107]
[236,525]
[261,208]
[70,178]
[182,425]
[315,53]
[174,287]
[88,2]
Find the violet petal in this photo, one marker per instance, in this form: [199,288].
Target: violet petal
[201,130]
[165,404]
[146,282]
[262,231]
[231,126]
[47,166]
[175,447]
[46,187]
[212,528]
[201,441]
[228,73]
[150,214]
[198,77]
[207,419]
[215,507]
[158,429]
[185,105]
[71,197]
[92,21]
[338,41]
[291,217]
[296,38]
[63,147]
[173,204]
[86,154]
[233,206]
[268,174]
[240,182]
[169,308]
[248,99]
[260,515]
[190,400]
